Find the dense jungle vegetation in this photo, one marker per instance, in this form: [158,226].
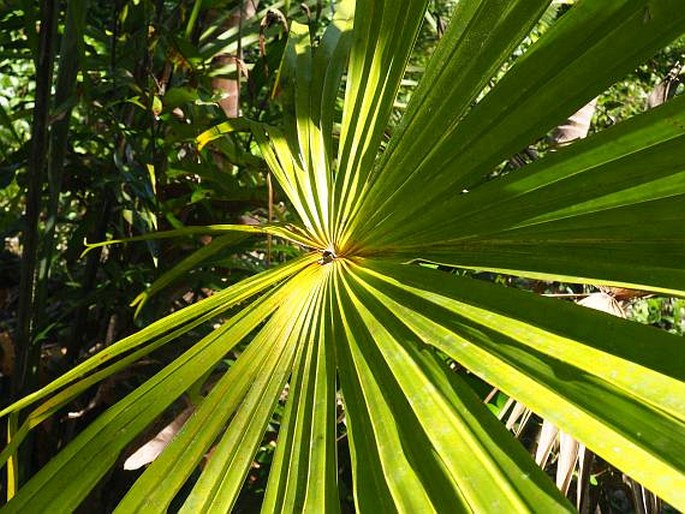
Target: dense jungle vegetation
[337,256]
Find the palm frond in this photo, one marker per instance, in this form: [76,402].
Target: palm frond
[359,319]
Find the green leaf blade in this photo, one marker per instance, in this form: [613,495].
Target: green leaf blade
[592,396]
[488,470]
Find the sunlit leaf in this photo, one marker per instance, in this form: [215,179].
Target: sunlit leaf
[358,328]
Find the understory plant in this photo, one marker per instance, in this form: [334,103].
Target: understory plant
[362,325]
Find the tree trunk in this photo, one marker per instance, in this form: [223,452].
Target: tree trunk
[231,87]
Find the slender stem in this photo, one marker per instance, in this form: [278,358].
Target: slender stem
[69,63]
[28,352]
[197,6]
[27,348]
[270,189]
[565,295]
[12,463]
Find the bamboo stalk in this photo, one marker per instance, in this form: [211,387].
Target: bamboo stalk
[28,353]
[69,61]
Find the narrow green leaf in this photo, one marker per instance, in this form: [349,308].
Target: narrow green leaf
[384,33]
[480,37]
[222,478]
[69,393]
[302,182]
[61,485]
[157,487]
[588,211]
[225,127]
[191,261]
[303,476]
[574,366]
[222,301]
[286,232]
[483,467]
[384,478]
[12,483]
[328,67]
[553,79]
[609,247]
[303,132]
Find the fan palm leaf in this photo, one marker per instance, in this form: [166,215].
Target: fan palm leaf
[357,318]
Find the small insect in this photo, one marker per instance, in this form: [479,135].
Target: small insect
[647,15]
[326,257]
